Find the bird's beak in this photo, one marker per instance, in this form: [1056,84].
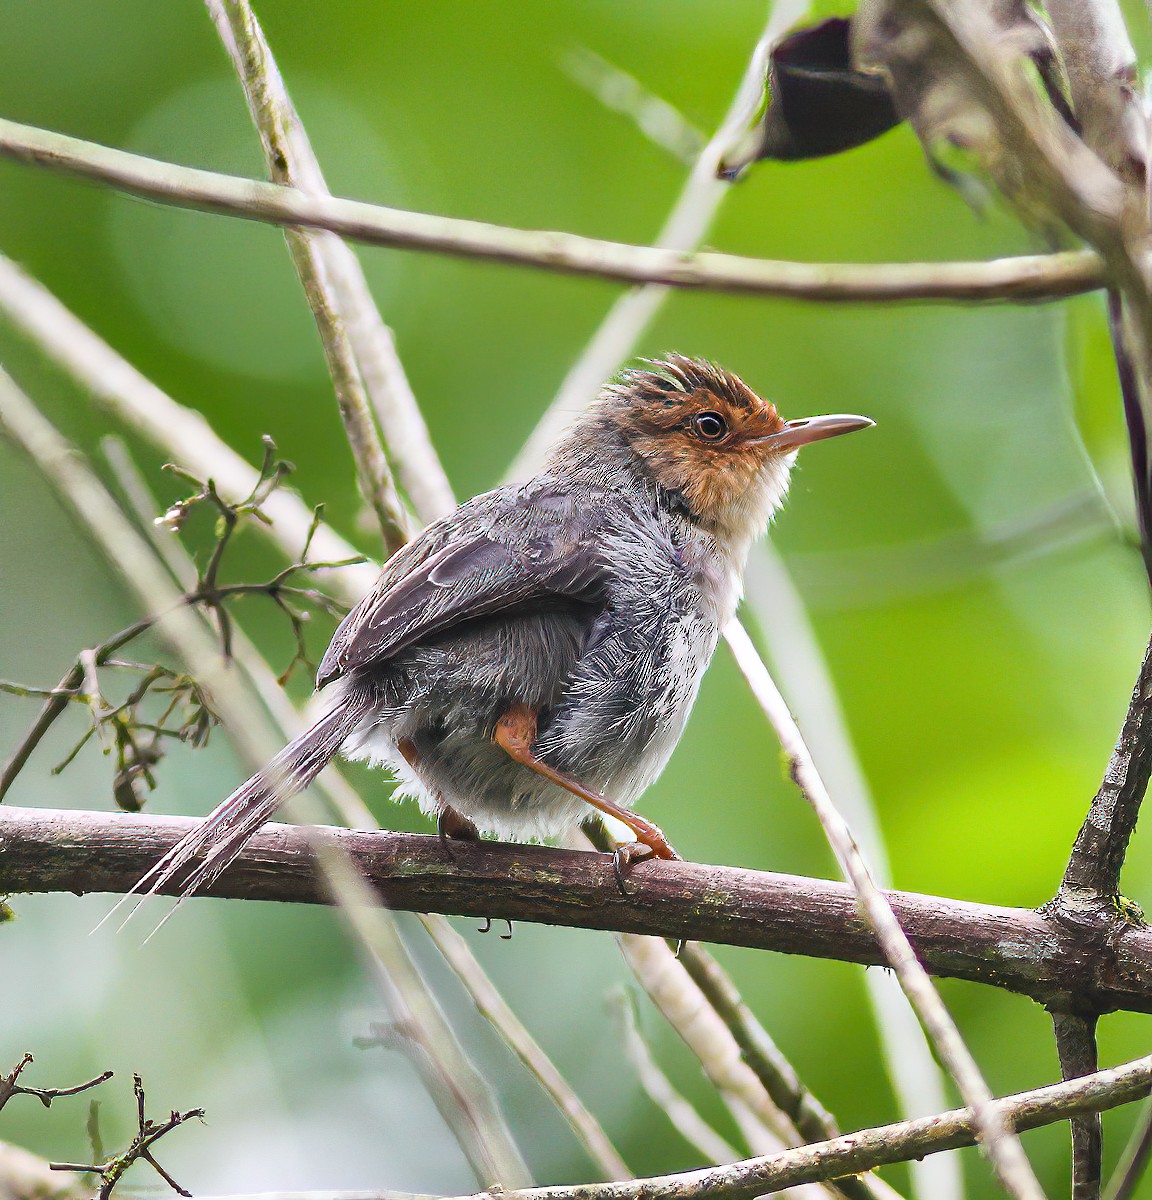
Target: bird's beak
[813,429]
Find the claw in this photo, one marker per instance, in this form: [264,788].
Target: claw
[623,857]
[487,928]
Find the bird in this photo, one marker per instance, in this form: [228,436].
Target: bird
[535,654]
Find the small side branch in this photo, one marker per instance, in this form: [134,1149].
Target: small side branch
[1091,882]
[9,1086]
[148,1133]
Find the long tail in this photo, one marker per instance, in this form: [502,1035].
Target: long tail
[200,857]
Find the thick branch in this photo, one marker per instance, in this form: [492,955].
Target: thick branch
[1031,278]
[45,850]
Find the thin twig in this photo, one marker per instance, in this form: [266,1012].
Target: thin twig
[1001,1145]
[863,1150]
[180,433]
[495,1009]
[1091,880]
[759,1051]
[9,1087]
[458,1089]
[799,661]
[1134,1161]
[1025,279]
[148,1133]
[687,1121]
[662,123]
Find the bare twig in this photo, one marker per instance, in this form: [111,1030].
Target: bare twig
[457,1088]
[1091,880]
[494,1008]
[759,1051]
[179,432]
[760,1087]
[148,1133]
[9,1087]
[660,122]
[1002,1147]
[1134,1160]
[1026,279]
[764,1127]
[800,664]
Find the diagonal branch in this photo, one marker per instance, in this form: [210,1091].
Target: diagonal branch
[1002,1147]
[861,1151]
[291,164]
[358,332]
[1025,279]
[1091,880]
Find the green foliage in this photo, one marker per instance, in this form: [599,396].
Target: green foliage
[983,654]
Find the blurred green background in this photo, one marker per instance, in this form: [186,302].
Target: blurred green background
[981,615]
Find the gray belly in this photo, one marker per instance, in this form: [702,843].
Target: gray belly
[613,702]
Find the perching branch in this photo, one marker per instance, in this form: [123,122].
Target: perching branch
[1018,950]
[1024,279]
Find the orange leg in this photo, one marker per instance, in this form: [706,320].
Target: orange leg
[515,733]
[449,822]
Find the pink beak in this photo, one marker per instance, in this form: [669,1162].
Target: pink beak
[814,429]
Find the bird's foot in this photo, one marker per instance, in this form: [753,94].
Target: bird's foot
[654,846]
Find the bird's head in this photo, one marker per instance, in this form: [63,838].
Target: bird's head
[701,434]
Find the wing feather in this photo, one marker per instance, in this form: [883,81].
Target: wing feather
[508,549]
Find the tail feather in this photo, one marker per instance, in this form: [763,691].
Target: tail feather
[200,857]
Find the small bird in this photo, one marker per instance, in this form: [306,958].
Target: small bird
[538,651]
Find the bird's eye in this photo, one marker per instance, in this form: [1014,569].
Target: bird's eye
[709,426]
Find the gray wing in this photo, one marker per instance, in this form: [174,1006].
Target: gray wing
[515,548]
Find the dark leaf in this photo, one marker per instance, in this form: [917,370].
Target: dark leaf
[818,102]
